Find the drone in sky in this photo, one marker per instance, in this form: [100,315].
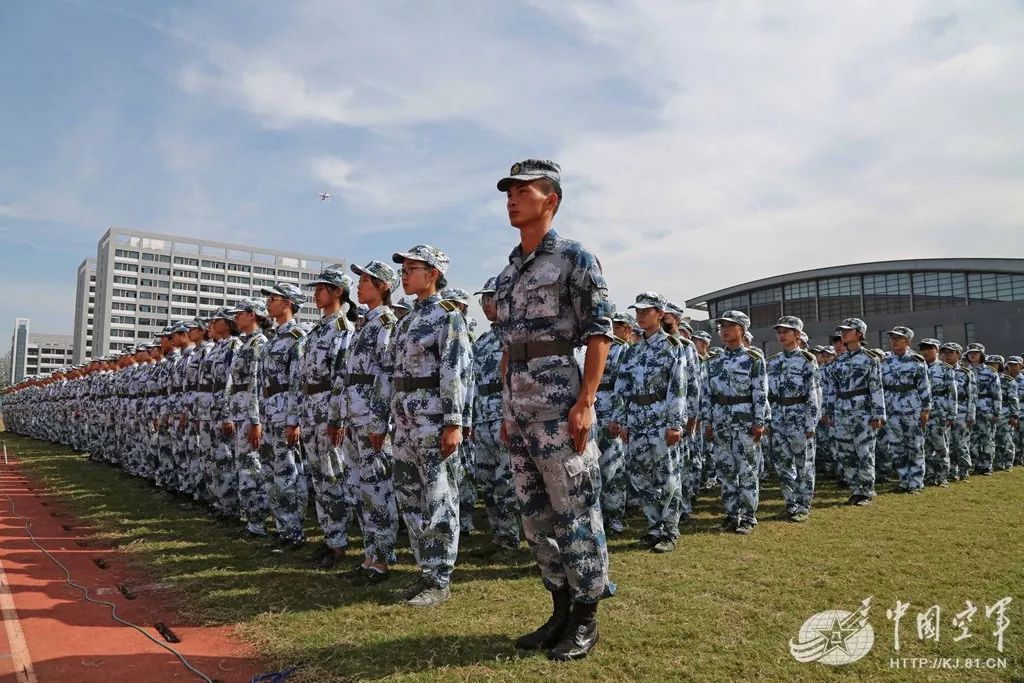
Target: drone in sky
[324,196]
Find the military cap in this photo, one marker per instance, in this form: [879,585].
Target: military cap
[686,326]
[702,335]
[901,331]
[829,350]
[201,323]
[168,331]
[222,313]
[379,271]
[737,317]
[333,275]
[790,322]
[928,341]
[747,336]
[253,305]
[286,290]
[456,294]
[531,169]
[624,318]
[401,304]
[490,287]
[804,338]
[181,328]
[952,346]
[142,347]
[427,253]
[1015,360]
[649,300]
[995,358]
[976,346]
[675,310]
[853,324]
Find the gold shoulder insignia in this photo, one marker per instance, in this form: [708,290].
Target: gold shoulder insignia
[448,306]
[808,355]
[754,353]
[684,341]
[297,333]
[773,357]
[388,318]
[673,341]
[340,323]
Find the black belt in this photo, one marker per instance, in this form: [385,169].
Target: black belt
[488,389]
[318,388]
[863,391]
[531,350]
[732,400]
[899,388]
[240,387]
[940,392]
[787,400]
[606,386]
[212,387]
[414,383]
[274,390]
[355,379]
[646,399]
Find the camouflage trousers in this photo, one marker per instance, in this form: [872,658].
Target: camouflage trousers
[498,488]
[465,471]
[164,465]
[325,470]
[612,463]
[654,474]
[983,443]
[854,441]
[885,459]
[1005,448]
[824,456]
[371,494]
[192,468]
[201,467]
[222,472]
[1019,442]
[149,444]
[795,466]
[936,452]
[904,440]
[559,496]
[691,471]
[253,479]
[287,489]
[427,489]
[708,476]
[960,449]
[737,462]
[179,456]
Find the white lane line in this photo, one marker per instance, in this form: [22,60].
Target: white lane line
[15,636]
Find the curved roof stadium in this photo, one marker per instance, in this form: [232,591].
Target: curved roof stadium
[953,299]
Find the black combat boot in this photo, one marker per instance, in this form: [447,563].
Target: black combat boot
[580,635]
[551,632]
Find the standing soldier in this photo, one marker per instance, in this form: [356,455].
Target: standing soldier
[432,365]
[966,412]
[690,458]
[612,451]
[650,409]
[361,415]
[735,411]
[795,398]
[702,341]
[221,473]
[990,406]
[552,297]
[196,460]
[160,408]
[1013,368]
[494,470]
[282,389]
[824,454]
[177,419]
[321,363]
[940,421]
[908,403]
[466,462]
[1006,426]
[242,422]
[855,411]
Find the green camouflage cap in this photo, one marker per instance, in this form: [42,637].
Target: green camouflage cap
[531,169]
[379,271]
[287,290]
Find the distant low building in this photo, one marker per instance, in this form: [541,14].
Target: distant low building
[37,354]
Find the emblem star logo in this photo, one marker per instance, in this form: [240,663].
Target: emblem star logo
[837,635]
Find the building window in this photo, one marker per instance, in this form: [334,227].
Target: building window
[237,267]
[765,307]
[239,280]
[938,333]
[839,297]
[127,267]
[124,280]
[219,265]
[988,288]
[740,302]
[934,290]
[968,333]
[886,293]
[183,261]
[260,270]
[124,253]
[800,300]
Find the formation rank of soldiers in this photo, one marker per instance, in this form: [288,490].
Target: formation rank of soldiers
[386,407]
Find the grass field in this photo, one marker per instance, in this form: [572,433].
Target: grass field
[722,607]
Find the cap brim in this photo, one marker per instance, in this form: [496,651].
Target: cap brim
[507,181]
[400,256]
[894,333]
[314,283]
[358,270]
[484,291]
[787,327]
[641,307]
[270,292]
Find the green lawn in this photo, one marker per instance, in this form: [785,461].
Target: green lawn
[722,607]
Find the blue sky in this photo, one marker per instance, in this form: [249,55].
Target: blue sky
[703,144]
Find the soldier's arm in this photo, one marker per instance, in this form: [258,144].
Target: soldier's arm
[875,390]
[813,412]
[456,368]
[675,401]
[296,395]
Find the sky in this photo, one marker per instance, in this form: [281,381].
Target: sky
[703,144]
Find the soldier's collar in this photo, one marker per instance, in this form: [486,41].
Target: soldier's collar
[430,300]
[547,244]
[375,313]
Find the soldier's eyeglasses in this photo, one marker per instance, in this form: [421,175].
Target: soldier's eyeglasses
[408,270]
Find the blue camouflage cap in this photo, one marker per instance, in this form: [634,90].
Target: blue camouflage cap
[401,304]
[181,327]
[995,358]
[222,313]
[427,253]
[379,271]
[199,323]
[1015,360]
[736,317]
[623,317]
[490,287]
[952,346]
[287,290]
[703,336]
[929,341]
[854,324]
[531,169]
[901,331]
[168,331]
[684,325]
[675,309]
[791,322]
[976,346]
[649,300]
[333,275]
[456,294]
[252,305]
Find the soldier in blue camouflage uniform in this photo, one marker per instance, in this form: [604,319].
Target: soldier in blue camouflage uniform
[159,407]
[361,415]
[855,406]
[242,422]
[282,391]
[966,413]
[795,398]
[691,460]
[1014,364]
[1006,426]
[735,411]
[613,453]
[942,378]
[708,478]
[824,458]
[651,417]
[908,403]
[431,363]
[552,297]
[196,458]
[321,364]
[493,467]
[990,407]
[177,421]
[221,472]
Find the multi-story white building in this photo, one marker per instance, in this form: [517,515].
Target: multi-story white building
[37,354]
[85,304]
[145,280]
